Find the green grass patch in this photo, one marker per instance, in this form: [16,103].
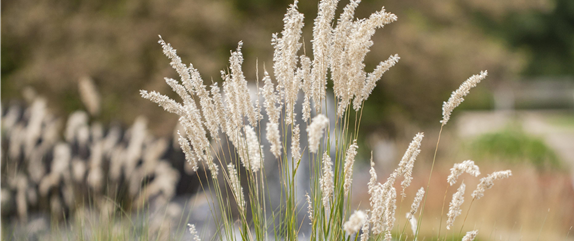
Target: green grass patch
[514,146]
[566,121]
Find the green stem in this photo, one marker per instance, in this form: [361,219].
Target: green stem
[428,184]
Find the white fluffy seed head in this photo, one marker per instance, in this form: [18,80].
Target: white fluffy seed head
[327,185]
[285,57]
[407,163]
[349,162]
[165,102]
[255,157]
[377,200]
[356,221]
[365,232]
[274,138]
[390,207]
[470,235]
[193,232]
[242,100]
[373,181]
[295,146]
[177,64]
[458,169]
[305,74]
[189,155]
[272,107]
[413,222]
[315,131]
[351,45]
[321,36]
[309,207]
[220,108]
[236,187]
[372,78]
[458,95]
[413,147]
[416,203]
[89,95]
[488,182]
[454,207]
[271,99]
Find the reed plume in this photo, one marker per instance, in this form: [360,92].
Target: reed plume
[355,223]
[488,182]
[460,168]
[455,204]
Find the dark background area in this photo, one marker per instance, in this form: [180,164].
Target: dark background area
[50,45]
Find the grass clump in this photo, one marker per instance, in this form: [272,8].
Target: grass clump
[213,117]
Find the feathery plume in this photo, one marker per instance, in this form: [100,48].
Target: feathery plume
[356,221]
[285,56]
[413,222]
[295,147]
[179,89]
[274,137]
[193,232]
[315,131]
[197,137]
[408,161]
[470,235]
[243,99]
[327,185]
[372,79]
[413,147]
[458,95]
[377,200]
[390,207]
[414,207]
[365,232]
[417,201]
[206,103]
[232,100]
[349,161]
[254,148]
[356,46]
[209,111]
[306,108]
[488,182]
[236,186]
[242,147]
[321,36]
[304,73]
[177,65]
[338,43]
[89,95]
[165,102]
[273,113]
[309,207]
[380,201]
[189,155]
[454,207]
[373,181]
[458,169]
[220,110]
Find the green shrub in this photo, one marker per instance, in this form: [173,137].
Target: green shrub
[514,145]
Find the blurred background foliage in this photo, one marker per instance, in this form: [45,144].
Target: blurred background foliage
[51,44]
[513,145]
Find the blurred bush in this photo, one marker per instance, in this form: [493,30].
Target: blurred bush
[50,45]
[545,34]
[513,145]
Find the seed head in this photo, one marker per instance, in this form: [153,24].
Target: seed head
[355,222]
